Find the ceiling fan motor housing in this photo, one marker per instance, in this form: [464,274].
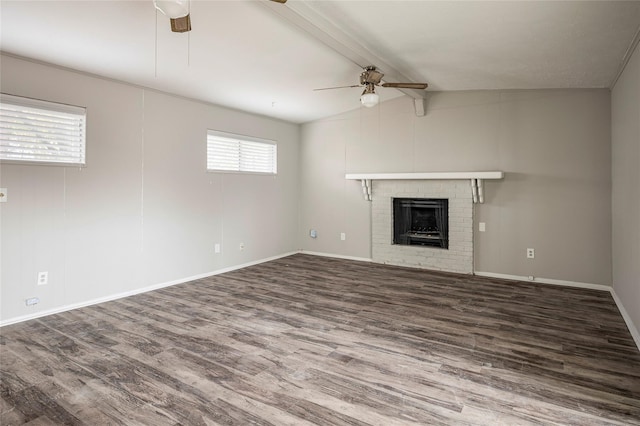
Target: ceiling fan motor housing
[370,76]
[181,25]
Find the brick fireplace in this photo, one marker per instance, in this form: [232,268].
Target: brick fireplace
[458,257]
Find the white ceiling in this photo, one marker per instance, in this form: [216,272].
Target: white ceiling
[242,55]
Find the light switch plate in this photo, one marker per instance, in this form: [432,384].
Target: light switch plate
[482,227]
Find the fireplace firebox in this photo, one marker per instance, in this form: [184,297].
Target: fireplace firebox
[421,222]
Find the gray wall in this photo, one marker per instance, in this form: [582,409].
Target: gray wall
[144,211]
[625,112]
[554,145]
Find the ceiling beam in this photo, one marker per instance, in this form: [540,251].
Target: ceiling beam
[304,17]
[627,56]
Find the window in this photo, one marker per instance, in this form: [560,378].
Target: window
[41,132]
[236,153]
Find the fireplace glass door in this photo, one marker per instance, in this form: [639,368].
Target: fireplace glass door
[421,222]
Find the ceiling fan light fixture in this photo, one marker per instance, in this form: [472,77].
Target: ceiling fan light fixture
[174,9]
[369,97]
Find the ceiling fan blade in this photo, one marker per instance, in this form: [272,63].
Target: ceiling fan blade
[406,85]
[338,87]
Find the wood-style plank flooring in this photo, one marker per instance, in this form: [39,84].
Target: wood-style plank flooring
[309,340]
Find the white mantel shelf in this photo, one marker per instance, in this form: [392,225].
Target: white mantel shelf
[418,176]
[475,179]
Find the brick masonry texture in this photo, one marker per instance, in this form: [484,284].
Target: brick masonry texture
[459,256]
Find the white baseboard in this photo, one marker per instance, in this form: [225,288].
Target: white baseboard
[630,325]
[137,291]
[337,256]
[544,281]
[627,319]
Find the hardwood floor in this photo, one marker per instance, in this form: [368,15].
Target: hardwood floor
[310,340]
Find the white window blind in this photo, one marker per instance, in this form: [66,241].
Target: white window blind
[236,153]
[41,132]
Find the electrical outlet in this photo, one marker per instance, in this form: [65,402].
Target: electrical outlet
[216,248]
[32,301]
[482,227]
[531,253]
[343,236]
[313,233]
[241,246]
[43,278]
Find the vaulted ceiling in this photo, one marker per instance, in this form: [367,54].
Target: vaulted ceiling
[252,56]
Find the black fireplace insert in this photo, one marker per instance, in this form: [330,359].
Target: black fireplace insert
[421,222]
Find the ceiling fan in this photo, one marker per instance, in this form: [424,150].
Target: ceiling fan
[369,79]
[178,12]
